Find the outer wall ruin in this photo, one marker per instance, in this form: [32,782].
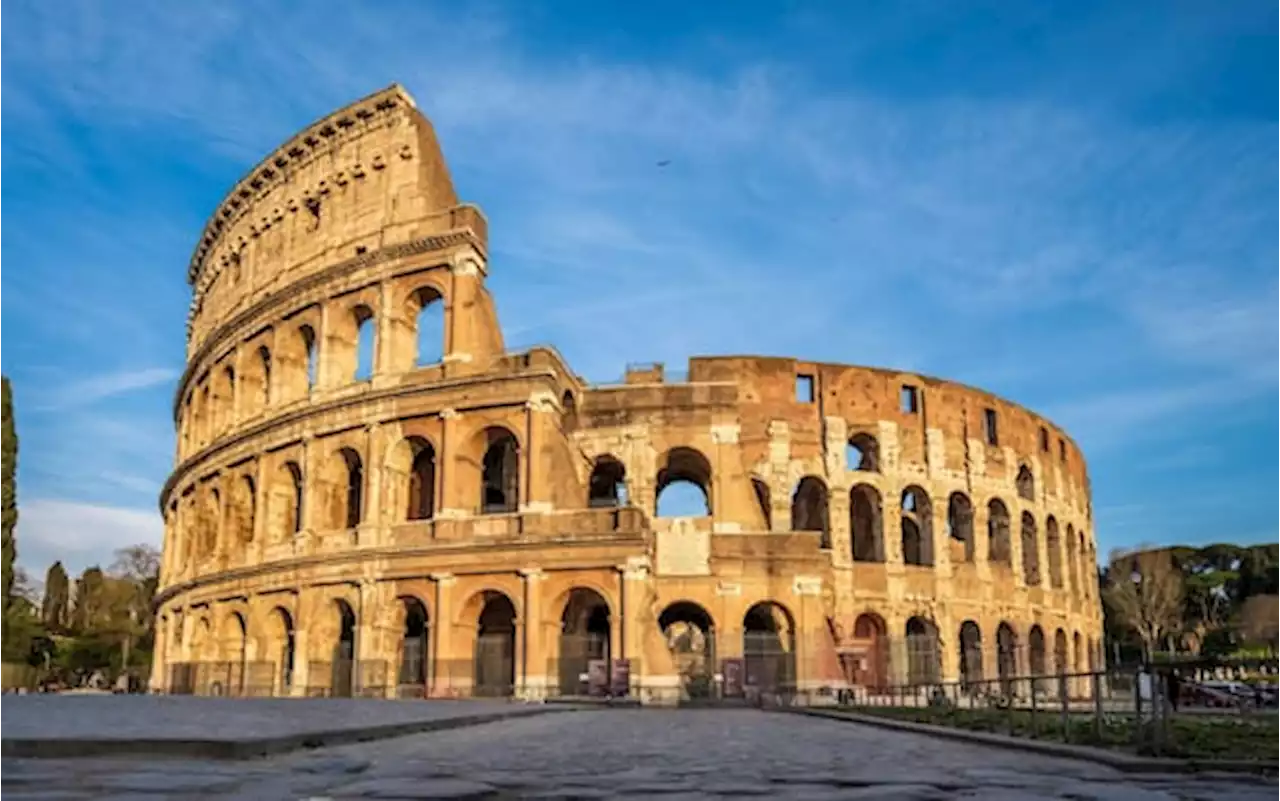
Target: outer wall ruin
[372,496]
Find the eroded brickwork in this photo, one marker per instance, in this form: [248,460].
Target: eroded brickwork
[364,473]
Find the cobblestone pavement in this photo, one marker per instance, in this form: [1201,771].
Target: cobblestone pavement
[630,754]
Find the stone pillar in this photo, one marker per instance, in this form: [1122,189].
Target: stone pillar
[532,646]
[810,620]
[451,506]
[326,344]
[369,533]
[384,343]
[540,412]
[312,499]
[635,577]
[442,636]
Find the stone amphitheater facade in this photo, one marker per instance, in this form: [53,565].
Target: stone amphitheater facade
[373,495]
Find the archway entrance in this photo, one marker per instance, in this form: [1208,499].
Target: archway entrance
[690,633]
[924,660]
[768,648]
[344,651]
[871,660]
[286,651]
[1006,657]
[584,644]
[970,653]
[495,649]
[412,681]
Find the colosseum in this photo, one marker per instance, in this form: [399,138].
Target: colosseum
[373,496]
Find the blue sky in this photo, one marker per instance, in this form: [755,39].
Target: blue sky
[1071,204]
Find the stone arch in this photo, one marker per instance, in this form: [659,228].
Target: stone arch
[870,646]
[499,471]
[426,308]
[769,647]
[866,523]
[1030,551]
[282,648]
[244,501]
[350,342]
[1025,483]
[342,684]
[586,628]
[494,650]
[348,509]
[414,649]
[285,500]
[224,394]
[607,486]
[1000,547]
[568,411]
[255,381]
[1073,566]
[970,652]
[862,453]
[1053,544]
[411,479]
[365,342]
[810,509]
[960,527]
[299,361]
[764,501]
[1006,656]
[233,649]
[1036,657]
[683,470]
[690,634]
[924,656]
[1061,659]
[917,527]
[212,523]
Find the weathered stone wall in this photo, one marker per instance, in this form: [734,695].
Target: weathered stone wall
[331,477]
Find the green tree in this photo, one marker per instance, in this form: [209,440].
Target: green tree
[8,489]
[56,606]
[90,605]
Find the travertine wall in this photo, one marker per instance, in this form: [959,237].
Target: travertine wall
[343,471]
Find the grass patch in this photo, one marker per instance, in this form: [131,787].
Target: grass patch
[1251,737]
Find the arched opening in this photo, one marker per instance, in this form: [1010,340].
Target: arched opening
[809,509]
[769,648]
[960,527]
[1000,548]
[866,523]
[285,650]
[585,630]
[1061,663]
[1030,551]
[917,531]
[226,399]
[414,651]
[607,486]
[1025,483]
[234,636]
[311,354]
[427,310]
[862,452]
[352,511]
[264,360]
[1053,543]
[500,473]
[568,411]
[683,484]
[1088,574]
[1006,657]
[422,481]
[970,652]
[763,501]
[1036,652]
[690,633]
[924,659]
[293,520]
[1073,567]
[246,501]
[495,648]
[344,652]
[365,336]
[1077,646]
[870,651]
[212,522]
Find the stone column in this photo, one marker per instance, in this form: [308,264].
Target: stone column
[370,529]
[451,506]
[541,410]
[810,619]
[442,639]
[384,344]
[532,645]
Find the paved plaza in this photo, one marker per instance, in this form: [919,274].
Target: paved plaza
[632,754]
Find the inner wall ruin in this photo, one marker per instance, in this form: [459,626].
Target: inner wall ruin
[372,496]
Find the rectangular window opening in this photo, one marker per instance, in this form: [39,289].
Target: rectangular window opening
[804,389]
[1062,451]
[1044,440]
[989,425]
[909,399]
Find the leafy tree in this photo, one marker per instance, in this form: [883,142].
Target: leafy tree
[8,489]
[56,606]
[90,601]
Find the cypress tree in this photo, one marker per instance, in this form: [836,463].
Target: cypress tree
[56,609]
[9,499]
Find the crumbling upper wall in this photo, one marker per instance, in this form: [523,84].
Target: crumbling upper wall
[367,176]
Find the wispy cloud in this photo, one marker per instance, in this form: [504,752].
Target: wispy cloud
[81,534]
[90,390]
